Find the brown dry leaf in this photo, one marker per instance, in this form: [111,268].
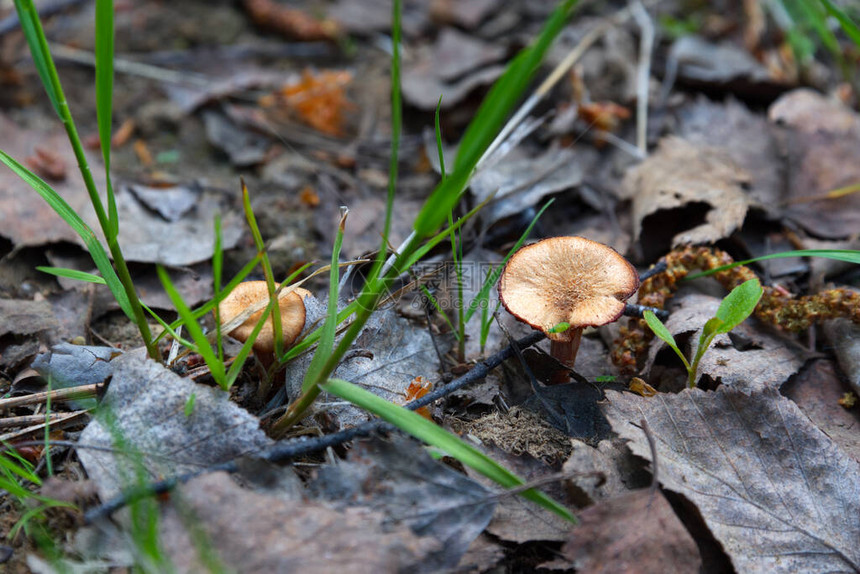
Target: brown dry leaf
[597,473]
[22,317]
[144,236]
[252,532]
[844,337]
[289,22]
[636,532]
[817,390]
[745,136]
[453,66]
[517,519]
[821,140]
[685,194]
[773,489]
[399,479]
[147,402]
[747,358]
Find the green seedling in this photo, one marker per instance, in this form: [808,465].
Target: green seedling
[17,477]
[733,310]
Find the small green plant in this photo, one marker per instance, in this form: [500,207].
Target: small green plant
[17,476]
[733,310]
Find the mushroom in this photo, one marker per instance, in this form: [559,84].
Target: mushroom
[250,293]
[569,280]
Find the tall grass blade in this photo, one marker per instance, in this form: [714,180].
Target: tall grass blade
[267,268]
[104,99]
[203,347]
[329,329]
[848,25]
[488,121]
[32,27]
[429,432]
[847,255]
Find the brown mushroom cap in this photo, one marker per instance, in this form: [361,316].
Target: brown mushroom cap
[567,280]
[251,292]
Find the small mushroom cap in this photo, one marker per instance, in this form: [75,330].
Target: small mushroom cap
[567,280]
[251,292]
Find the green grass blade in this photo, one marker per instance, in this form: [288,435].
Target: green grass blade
[217,265]
[848,25]
[32,27]
[168,330]
[104,99]
[846,255]
[438,129]
[329,329]
[396,128]
[267,268]
[439,309]
[72,274]
[487,122]
[494,275]
[203,347]
[434,435]
[64,210]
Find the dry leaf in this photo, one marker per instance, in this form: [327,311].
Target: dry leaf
[456,64]
[388,354]
[636,532]
[253,533]
[685,194]
[602,472]
[822,154]
[23,317]
[144,236]
[817,390]
[745,137]
[775,491]
[147,403]
[402,482]
[844,337]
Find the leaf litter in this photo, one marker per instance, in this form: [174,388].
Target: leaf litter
[729,162]
[775,491]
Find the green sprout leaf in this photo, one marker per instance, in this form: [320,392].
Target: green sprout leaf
[738,305]
[559,328]
[663,333]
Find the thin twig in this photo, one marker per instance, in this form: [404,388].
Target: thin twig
[287,450]
[61,421]
[129,67]
[643,73]
[57,395]
[23,420]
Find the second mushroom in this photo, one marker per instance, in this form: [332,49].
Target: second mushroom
[567,280]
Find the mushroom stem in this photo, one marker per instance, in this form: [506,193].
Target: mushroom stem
[565,352]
